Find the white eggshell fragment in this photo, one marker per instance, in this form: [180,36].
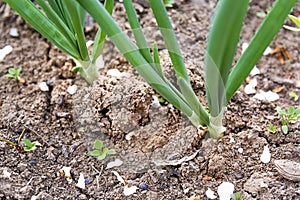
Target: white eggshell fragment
[210,194]
[115,163]
[116,73]
[129,190]
[43,86]
[89,43]
[266,155]
[225,190]
[250,88]
[81,182]
[155,103]
[266,96]
[72,89]
[267,51]
[66,173]
[240,150]
[254,71]
[244,47]
[100,62]
[6,173]
[120,179]
[5,51]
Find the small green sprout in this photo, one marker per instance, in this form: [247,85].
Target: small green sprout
[236,196]
[101,152]
[263,14]
[30,146]
[294,96]
[162,101]
[14,73]
[296,20]
[272,128]
[169,3]
[287,116]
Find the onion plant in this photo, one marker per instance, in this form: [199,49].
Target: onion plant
[62,22]
[223,77]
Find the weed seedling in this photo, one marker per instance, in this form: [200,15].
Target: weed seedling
[236,196]
[101,152]
[263,14]
[294,96]
[169,3]
[30,146]
[296,20]
[287,116]
[14,73]
[272,128]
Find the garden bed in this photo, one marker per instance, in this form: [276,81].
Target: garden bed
[148,137]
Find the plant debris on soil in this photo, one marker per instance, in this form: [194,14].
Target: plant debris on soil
[159,154]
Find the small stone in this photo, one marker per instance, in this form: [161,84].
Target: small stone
[81,182]
[82,197]
[176,173]
[51,81]
[266,155]
[60,100]
[225,190]
[240,150]
[238,176]
[210,194]
[88,181]
[144,186]
[43,86]
[13,32]
[32,162]
[72,89]
[5,51]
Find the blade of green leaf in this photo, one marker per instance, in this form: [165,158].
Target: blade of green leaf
[296,20]
[73,9]
[101,35]
[265,34]
[137,30]
[169,37]
[57,21]
[291,28]
[221,47]
[193,101]
[157,60]
[43,25]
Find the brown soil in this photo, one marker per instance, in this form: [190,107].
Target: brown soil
[146,137]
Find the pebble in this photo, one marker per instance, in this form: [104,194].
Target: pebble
[176,173]
[32,162]
[43,86]
[238,176]
[22,167]
[5,51]
[82,196]
[72,89]
[13,32]
[88,181]
[144,186]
